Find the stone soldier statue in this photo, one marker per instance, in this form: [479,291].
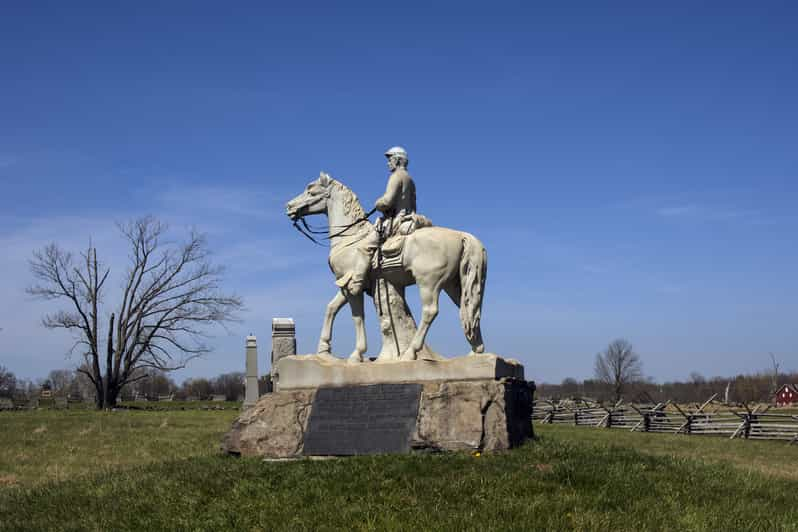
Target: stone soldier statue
[398,206]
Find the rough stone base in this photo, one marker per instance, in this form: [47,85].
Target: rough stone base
[482,415]
[274,427]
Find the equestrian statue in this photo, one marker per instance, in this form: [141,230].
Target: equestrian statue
[401,249]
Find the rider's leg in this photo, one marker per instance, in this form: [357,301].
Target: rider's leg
[360,270]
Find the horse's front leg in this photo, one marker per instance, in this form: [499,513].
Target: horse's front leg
[333,307]
[356,304]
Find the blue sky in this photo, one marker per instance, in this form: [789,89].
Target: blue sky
[630,168]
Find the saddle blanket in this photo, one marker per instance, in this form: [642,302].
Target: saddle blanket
[393,262]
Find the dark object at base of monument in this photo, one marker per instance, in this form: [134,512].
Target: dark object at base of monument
[480,415]
[372,419]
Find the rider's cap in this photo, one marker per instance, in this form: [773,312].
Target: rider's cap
[396,150]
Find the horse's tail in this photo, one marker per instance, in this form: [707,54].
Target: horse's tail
[473,270]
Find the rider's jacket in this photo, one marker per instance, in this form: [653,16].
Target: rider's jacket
[400,195]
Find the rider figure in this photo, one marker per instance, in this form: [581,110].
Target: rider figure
[396,204]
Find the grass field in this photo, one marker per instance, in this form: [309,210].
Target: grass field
[161,470]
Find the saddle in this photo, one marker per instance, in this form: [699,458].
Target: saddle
[389,256]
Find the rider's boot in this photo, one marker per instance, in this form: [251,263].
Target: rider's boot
[357,282]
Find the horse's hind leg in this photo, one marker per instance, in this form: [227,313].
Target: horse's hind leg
[454,290]
[356,304]
[429,311]
[333,307]
[476,341]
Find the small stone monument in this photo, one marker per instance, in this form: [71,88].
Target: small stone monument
[283,344]
[251,385]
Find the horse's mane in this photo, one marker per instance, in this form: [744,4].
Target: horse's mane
[351,203]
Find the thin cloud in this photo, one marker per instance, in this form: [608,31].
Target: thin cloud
[712,213]
[6,160]
[595,269]
[677,211]
[237,201]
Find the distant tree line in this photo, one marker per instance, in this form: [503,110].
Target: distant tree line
[618,374]
[757,387]
[149,383]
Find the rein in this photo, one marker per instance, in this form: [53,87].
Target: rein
[309,231]
[306,235]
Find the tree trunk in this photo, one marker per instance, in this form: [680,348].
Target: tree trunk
[112,397]
[98,396]
[106,395]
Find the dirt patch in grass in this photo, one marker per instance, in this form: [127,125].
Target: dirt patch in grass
[8,480]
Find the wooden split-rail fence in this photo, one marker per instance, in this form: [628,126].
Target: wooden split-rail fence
[709,418]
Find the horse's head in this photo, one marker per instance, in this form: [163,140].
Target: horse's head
[312,201]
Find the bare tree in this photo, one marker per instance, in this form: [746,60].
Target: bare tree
[774,376]
[8,382]
[170,293]
[200,388]
[60,380]
[618,366]
[150,383]
[81,386]
[231,385]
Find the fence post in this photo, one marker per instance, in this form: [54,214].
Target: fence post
[550,416]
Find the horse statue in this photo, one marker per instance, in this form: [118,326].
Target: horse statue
[434,258]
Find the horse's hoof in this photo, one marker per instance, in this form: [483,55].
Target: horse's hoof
[355,358]
[409,354]
[479,350]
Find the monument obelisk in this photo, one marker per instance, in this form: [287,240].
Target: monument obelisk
[251,393]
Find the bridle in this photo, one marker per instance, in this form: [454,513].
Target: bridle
[308,231]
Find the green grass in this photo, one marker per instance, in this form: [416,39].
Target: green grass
[571,478]
[774,458]
[40,446]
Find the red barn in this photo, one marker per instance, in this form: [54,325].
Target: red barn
[787,395]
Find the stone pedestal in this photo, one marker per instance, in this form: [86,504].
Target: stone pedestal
[476,415]
[251,385]
[314,371]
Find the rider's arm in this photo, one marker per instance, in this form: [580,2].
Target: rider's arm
[392,192]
